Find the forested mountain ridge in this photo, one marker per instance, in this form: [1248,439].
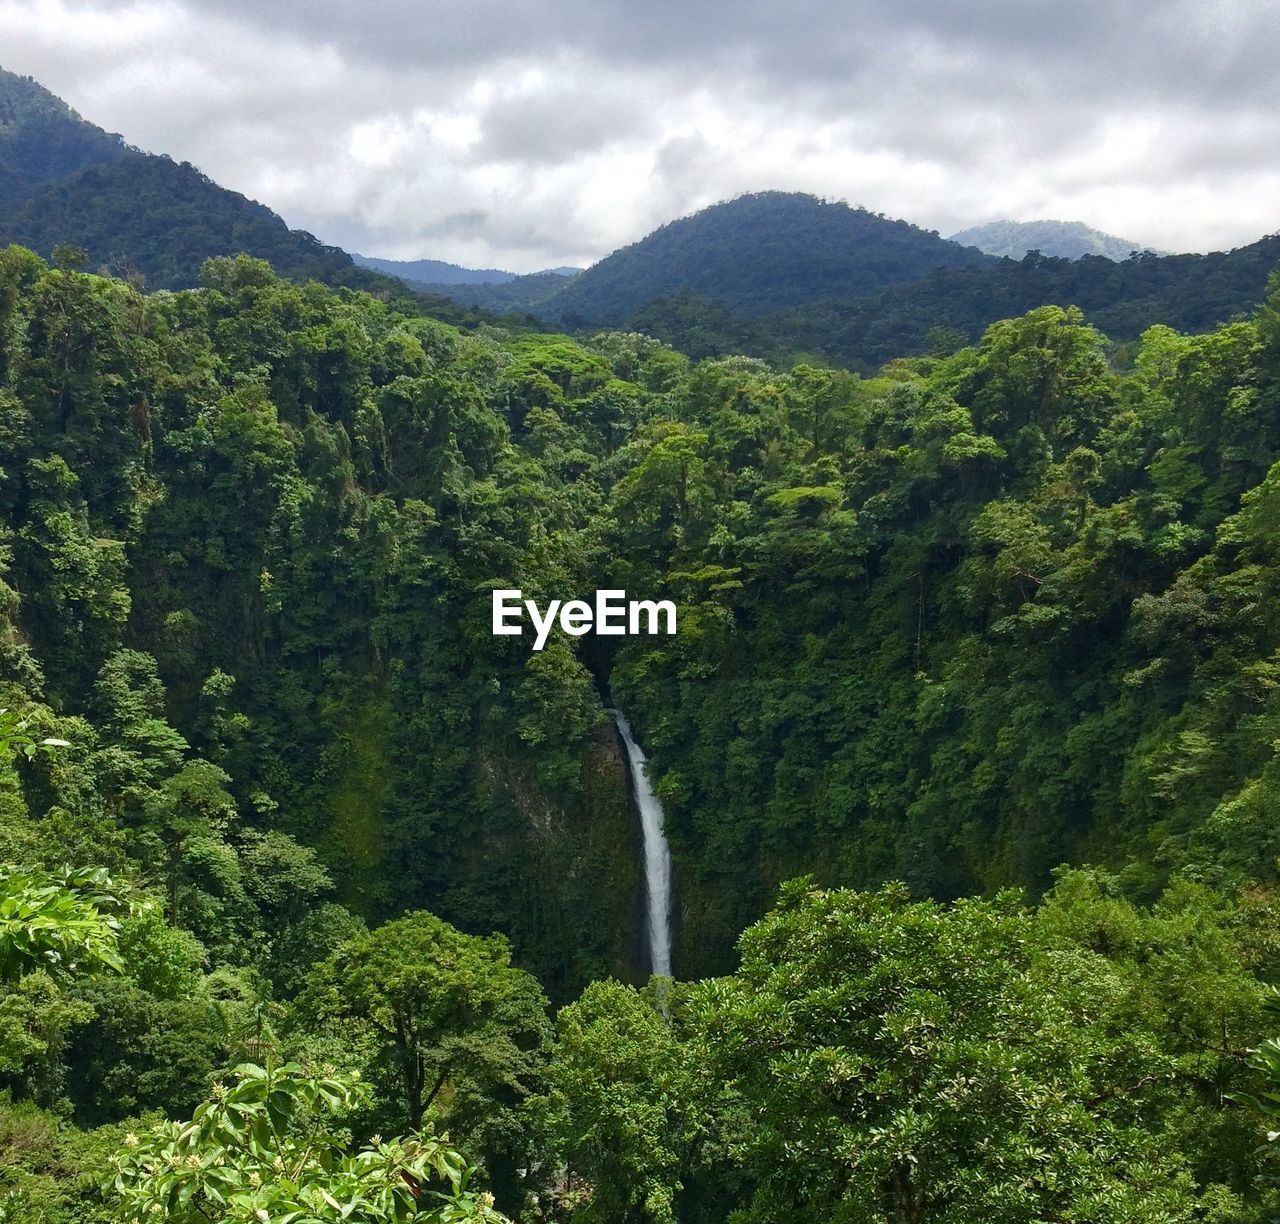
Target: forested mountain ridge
[434,271]
[777,275]
[527,296]
[431,275]
[952,625]
[147,215]
[786,277]
[65,182]
[757,254]
[953,306]
[43,140]
[754,254]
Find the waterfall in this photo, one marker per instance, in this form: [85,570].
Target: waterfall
[657,857]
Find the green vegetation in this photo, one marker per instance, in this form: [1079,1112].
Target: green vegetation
[159,220]
[421,272]
[83,197]
[60,923]
[947,309]
[264,1148]
[534,294]
[43,140]
[782,276]
[944,628]
[788,278]
[757,254]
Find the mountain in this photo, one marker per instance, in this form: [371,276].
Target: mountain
[42,140]
[162,219]
[952,306]
[774,274]
[1066,239]
[434,271]
[787,276]
[65,180]
[435,274]
[756,254]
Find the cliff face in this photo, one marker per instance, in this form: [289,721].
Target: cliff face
[575,862]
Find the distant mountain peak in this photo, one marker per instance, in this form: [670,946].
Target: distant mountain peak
[763,251]
[1064,239]
[434,271]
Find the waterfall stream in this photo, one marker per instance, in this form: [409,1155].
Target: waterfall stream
[657,857]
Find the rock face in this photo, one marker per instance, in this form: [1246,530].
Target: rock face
[577,861]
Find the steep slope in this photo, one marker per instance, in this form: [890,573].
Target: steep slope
[42,140]
[63,180]
[1066,239]
[756,254]
[149,215]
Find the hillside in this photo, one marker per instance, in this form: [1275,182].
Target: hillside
[533,294]
[1064,239]
[780,276]
[756,254]
[42,140]
[139,214]
[773,274]
[953,306]
[434,275]
[146,214]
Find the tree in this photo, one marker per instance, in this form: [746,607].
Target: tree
[1264,1100]
[17,738]
[619,1109]
[912,1062]
[462,1032]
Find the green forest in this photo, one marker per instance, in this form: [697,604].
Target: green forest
[791,278]
[320,902]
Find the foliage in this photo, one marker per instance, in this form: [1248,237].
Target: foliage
[757,253]
[44,139]
[954,623]
[16,738]
[620,1104]
[461,1033]
[270,1147]
[65,923]
[910,1062]
[952,306]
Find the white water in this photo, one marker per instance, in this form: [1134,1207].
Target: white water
[657,857]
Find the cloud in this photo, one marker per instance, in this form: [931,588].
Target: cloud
[511,134]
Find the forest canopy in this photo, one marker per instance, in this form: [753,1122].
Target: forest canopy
[967,747]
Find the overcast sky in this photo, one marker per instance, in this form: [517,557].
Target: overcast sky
[527,133]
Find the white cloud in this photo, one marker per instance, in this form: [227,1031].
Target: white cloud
[510,134]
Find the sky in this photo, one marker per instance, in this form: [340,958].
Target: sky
[524,134]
